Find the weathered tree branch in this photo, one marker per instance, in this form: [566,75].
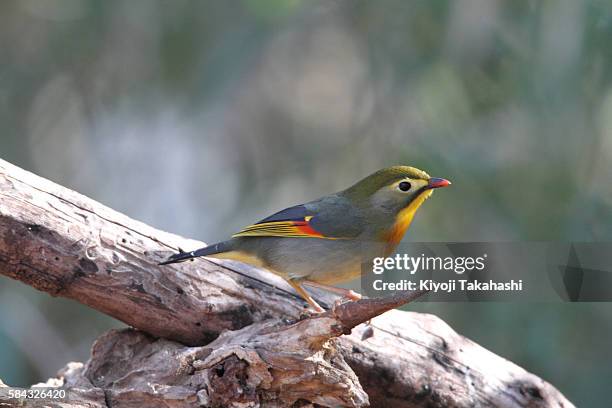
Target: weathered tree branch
[222,333]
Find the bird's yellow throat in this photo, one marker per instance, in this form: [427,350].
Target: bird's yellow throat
[394,235]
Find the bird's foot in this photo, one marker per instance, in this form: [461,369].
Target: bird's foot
[347,296]
[343,300]
[352,295]
[310,311]
[317,309]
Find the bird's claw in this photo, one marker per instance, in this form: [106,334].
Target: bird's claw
[310,310]
[352,295]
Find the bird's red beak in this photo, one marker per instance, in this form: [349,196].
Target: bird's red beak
[435,182]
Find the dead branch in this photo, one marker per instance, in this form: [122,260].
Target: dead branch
[225,334]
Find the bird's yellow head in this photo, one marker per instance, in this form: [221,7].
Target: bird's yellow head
[390,198]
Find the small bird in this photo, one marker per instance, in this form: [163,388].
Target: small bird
[326,241]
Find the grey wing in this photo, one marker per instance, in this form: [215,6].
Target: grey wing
[335,217]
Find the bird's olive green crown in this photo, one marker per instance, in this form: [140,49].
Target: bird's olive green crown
[384,177]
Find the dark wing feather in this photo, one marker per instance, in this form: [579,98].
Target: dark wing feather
[328,218]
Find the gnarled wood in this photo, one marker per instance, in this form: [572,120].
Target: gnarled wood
[203,315]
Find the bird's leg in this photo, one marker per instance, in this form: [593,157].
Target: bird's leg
[347,293]
[300,290]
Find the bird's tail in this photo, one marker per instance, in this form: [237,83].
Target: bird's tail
[208,250]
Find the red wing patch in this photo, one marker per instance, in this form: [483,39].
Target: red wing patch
[289,228]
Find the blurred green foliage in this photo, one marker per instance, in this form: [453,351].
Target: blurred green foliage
[201,116]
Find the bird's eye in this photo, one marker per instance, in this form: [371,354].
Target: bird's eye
[404,186]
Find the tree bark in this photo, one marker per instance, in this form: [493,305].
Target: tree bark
[223,334]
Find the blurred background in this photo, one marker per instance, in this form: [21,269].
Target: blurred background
[199,117]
